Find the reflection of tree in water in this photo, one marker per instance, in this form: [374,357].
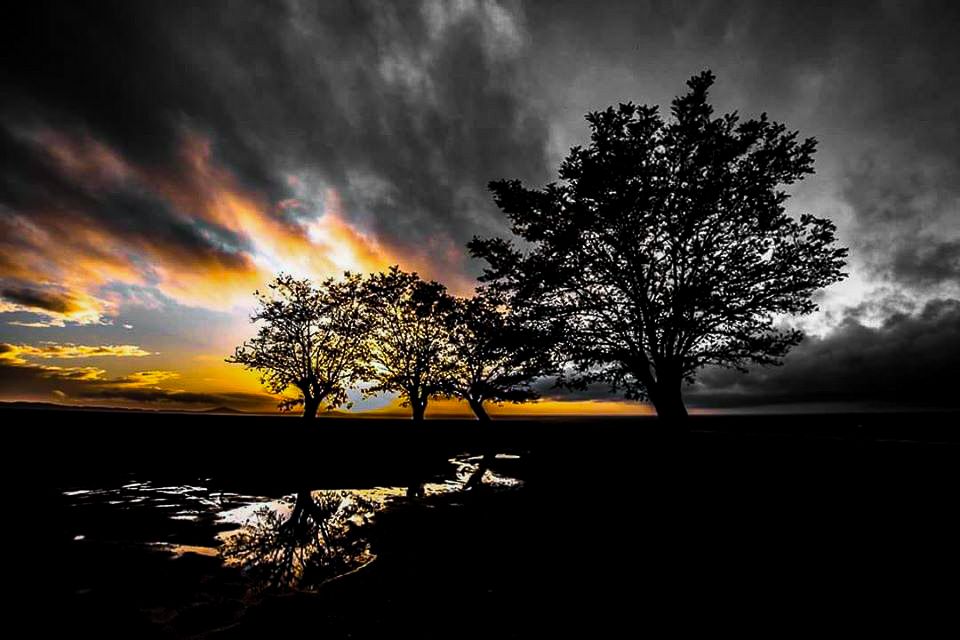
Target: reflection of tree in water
[321,539]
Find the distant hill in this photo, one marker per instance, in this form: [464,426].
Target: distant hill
[54,406]
[220,410]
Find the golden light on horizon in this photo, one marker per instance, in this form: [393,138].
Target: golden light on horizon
[440,408]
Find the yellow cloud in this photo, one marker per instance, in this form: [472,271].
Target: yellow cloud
[47,350]
[145,378]
[20,355]
[81,374]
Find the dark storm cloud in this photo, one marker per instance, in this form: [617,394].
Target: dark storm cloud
[407,110]
[597,391]
[241,401]
[905,186]
[928,263]
[17,380]
[908,220]
[55,178]
[55,301]
[909,360]
[887,87]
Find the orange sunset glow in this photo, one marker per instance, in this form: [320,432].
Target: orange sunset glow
[82,273]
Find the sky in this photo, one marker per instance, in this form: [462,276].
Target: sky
[161,161]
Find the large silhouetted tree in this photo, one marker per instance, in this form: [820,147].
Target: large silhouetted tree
[665,247]
[314,339]
[410,343]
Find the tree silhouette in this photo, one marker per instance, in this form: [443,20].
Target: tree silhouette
[409,347]
[665,247]
[314,339]
[496,355]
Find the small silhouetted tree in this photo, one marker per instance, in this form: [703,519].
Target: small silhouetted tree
[665,247]
[314,339]
[409,346]
[496,356]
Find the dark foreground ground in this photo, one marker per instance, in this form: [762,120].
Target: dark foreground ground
[777,523]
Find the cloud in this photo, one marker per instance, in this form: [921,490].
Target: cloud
[200,240]
[41,300]
[144,378]
[599,392]
[54,305]
[23,373]
[874,89]
[909,360]
[907,219]
[927,263]
[47,350]
[18,363]
[173,398]
[883,354]
[298,137]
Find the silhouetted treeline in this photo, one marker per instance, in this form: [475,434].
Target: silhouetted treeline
[391,332]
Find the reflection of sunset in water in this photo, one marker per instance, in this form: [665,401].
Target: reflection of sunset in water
[255,534]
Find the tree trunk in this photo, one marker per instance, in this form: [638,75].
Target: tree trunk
[419,408]
[668,401]
[478,410]
[418,405]
[310,406]
[489,454]
[418,402]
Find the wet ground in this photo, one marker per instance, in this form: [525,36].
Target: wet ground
[159,527]
[203,519]
[219,552]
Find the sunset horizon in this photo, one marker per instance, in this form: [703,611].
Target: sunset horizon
[146,195]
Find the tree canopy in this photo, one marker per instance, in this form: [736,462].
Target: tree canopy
[496,355]
[311,338]
[410,339]
[666,247]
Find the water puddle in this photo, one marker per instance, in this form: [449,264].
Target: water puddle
[298,541]
[318,538]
